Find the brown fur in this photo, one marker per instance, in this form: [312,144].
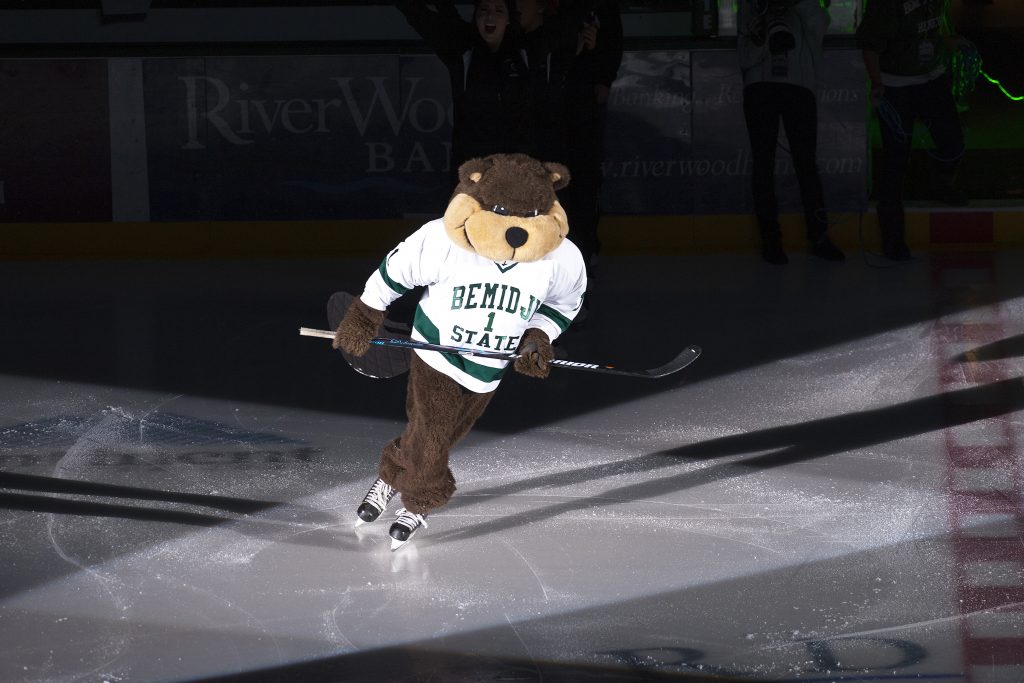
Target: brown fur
[535,354]
[524,188]
[440,413]
[357,328]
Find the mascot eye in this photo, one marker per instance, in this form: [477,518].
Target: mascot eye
[502,211]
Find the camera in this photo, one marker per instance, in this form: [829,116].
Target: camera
[778,34]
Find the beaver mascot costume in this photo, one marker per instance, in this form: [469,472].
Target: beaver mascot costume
[499,275]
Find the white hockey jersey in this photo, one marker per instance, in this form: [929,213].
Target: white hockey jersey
[473,302]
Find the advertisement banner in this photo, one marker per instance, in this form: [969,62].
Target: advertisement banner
[307,137]
[297,137]
[648,150]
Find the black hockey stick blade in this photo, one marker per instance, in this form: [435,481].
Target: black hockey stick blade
[683,359]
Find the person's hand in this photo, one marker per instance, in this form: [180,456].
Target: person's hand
[877,92]
[357,328]
[587,38]
[535,354]
[601,93]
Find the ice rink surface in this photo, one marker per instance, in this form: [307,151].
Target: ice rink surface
[832,492]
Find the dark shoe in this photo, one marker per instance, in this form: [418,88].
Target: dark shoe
[824,249]
[896,251]
[771,251]
[890,222]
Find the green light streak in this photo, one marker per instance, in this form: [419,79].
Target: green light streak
[1015,98]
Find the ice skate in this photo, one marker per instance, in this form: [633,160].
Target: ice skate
[403,529]
[375,502]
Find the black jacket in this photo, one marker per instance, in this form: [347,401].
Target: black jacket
[491,92]
[550,52]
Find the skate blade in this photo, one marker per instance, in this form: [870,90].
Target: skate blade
[396,544]
[360,521]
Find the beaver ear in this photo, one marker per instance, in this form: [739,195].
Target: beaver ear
[557,174]
[473,170]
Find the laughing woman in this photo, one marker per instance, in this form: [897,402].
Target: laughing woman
[490,85]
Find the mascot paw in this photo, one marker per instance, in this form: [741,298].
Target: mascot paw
[357,328]
[535,354]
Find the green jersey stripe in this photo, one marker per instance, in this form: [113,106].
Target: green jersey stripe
[555,317]
[428,329]
[383,270]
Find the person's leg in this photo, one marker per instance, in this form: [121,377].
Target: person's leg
[580,198]
[761,111]
[440,412]
[800,121]
[896,112]
[940,116]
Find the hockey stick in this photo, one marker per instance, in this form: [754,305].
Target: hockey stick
[684,358]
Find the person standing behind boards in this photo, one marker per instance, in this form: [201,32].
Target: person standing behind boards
[905,47]
[781,47]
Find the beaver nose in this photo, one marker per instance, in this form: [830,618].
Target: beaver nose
[516,236]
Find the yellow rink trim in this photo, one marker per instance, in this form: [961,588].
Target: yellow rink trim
[738,232]
[373,237]
[198,240]
[1009,228]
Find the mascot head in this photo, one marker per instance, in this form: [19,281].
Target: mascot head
[505,209]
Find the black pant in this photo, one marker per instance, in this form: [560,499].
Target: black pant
[586,121]
[764,105]
[931,103]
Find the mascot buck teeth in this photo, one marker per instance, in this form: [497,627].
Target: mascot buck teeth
[499,274]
